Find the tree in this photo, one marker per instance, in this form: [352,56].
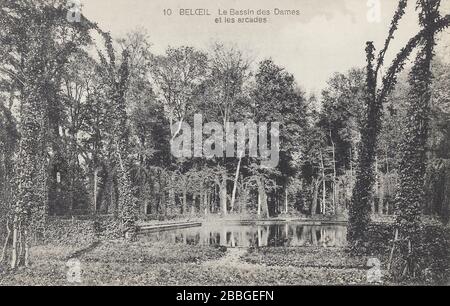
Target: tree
[410,196]
[116,78]
[342,113]
[68,116]
[36,44]
[276,99]
[437,181]
[178,75]
[8,142]
[374,97]
[224,99]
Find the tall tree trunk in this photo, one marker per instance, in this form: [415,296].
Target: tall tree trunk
[236,177]
[324,189]
[377,187]
[184,200]
[30,205]
[172,192]
[194,199]
[206,201]
[316,184]
[259,205]
[15,243]
[381,194]
[333,183]
[5,245]
[410,196]
[95,192]
[351,163]
[223,194]
[262,198]
[359,212]
[286,207]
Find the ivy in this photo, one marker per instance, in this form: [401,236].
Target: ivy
[359,213]
[411,195]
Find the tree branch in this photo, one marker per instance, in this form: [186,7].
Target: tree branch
[12,74]
[390,79]
[394,25]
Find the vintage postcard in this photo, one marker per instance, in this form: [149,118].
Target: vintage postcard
[224,143]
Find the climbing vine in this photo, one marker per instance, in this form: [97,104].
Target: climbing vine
[359,212]
[116,80]
[410,196]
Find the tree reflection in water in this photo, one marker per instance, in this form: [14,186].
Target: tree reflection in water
[250,235]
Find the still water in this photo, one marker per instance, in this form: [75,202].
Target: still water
[253,234]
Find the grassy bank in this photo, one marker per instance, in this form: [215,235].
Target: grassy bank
[120,262]
[145,263]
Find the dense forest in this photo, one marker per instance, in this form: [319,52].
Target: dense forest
[87,120]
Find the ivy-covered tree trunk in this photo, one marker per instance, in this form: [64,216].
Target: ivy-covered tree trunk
[8,142]
[410,196]
[127,203]
[30,205]
[116,79]
[359,212]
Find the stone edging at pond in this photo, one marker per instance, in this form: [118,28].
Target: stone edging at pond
[167,226]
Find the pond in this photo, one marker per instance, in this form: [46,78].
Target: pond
[255,234]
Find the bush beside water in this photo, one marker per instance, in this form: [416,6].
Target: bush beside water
[433,259]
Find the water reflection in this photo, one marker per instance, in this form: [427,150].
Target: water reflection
[240,235]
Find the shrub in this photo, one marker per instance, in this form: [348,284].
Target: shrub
[433,251]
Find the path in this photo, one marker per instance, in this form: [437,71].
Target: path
[232,258]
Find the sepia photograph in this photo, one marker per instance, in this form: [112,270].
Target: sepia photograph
[245,145]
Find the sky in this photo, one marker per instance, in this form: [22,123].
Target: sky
[327,36]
